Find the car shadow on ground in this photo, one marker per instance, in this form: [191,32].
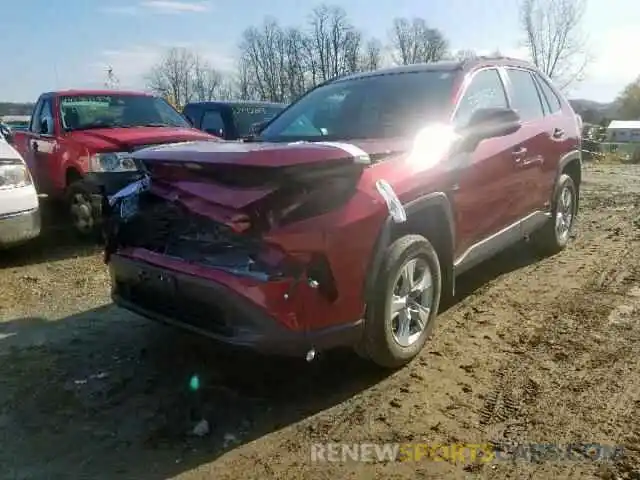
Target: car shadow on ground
[57,241]
[105,394]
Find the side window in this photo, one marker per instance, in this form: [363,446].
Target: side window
[212,122]
[46,118]
[552,99]
[35,118]
[484,91]
[525,98]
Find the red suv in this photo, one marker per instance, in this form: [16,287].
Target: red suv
[349,216]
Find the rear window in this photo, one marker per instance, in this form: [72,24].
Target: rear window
[524,95]
[246,115]
[552,99]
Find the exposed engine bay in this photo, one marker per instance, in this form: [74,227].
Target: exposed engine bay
[172,230]
[217,216]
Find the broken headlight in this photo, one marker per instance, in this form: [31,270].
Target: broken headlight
[308,202]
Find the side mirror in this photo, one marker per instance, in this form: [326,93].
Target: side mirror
[44,126]
[490,123]
[6,132]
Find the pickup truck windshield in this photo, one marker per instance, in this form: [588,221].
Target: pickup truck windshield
[376,106]
[83,112]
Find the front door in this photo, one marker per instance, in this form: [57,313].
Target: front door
[41,147]
[486,182]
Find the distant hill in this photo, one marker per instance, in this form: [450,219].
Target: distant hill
[595,112]
[8,108]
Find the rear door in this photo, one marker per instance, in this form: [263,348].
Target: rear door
[563,133]
[486,189]
[532,141]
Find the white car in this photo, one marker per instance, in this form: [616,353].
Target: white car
[19,205]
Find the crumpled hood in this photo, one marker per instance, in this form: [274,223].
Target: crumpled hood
[127,139]
[224,180]
[274,155]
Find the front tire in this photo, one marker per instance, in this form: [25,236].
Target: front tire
[402,315]
[84,216]
[554,236]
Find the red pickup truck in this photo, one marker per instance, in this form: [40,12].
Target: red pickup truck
[79,144]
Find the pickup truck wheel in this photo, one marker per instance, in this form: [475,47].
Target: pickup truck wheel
[554,236]
[83,216]
[402,314]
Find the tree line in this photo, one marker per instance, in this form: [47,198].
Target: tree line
[279,63]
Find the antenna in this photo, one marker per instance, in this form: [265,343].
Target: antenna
[111,81]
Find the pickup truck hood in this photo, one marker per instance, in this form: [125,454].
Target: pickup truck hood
[127,139]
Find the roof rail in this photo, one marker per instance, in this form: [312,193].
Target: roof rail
[491,57]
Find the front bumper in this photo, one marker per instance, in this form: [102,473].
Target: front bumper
[112,182]
[17,228]
[213,310]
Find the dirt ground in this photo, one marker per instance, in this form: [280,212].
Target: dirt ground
[533,350]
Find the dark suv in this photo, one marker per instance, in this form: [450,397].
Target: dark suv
[230,120]
[349,217]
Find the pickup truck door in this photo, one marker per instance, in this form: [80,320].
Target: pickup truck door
[41,145]
[486,181]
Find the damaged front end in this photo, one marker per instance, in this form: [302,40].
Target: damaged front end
[142,219]
[247,254]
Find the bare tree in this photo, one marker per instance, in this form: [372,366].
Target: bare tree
[629,101]
[112,81]
[414,42]
[261,51]
[554,38]
[243,84]
[372,55]
[184,76]
[171,77]
[206,81]
[333,44]
[464,54]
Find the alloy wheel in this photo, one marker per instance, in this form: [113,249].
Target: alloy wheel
[411,302]
[564,213]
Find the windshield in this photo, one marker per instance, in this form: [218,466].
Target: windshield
[246,115]
[379,106]
[82,112]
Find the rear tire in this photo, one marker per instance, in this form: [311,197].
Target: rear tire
[554,236]
[402,315]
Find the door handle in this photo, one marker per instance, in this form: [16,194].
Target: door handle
[519,154]
[558,133]
[34,146]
